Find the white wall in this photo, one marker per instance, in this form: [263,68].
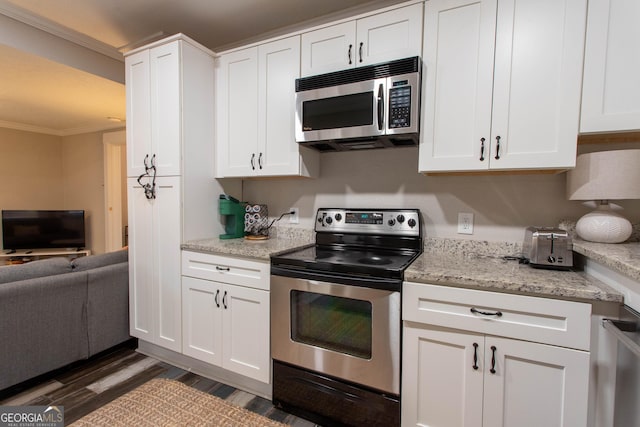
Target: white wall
[40,171]
[503,205]
[83,171]
[30,170]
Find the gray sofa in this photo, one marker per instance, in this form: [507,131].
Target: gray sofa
[54,312]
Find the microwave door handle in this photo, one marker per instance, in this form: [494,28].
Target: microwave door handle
[380,107]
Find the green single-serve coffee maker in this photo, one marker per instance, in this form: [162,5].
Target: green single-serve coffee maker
[233,212]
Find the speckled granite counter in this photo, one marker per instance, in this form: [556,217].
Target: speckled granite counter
[257,249]
[623,258]
[492,272]
[465,263]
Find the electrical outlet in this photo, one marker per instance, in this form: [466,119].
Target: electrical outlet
[293,218]
[465,223]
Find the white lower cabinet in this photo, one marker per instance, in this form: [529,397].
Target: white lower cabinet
[225,324]
[454,377]
[154,262]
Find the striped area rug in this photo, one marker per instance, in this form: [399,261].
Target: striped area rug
[164,402]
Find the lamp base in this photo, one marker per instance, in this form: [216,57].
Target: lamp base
[604,226]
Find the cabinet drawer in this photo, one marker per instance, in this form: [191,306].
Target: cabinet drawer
[549,321]
[252,274]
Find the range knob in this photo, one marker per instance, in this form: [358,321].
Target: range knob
[411,223]
[400,219]
[338,217]
[329,220]
[392,222]
[551,259]
[320,220]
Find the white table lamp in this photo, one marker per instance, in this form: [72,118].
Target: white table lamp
[604,176]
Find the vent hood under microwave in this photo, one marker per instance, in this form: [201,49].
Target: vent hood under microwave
[373,106]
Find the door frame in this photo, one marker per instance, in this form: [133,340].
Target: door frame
[114,143]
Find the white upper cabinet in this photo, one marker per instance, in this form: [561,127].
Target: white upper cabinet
[256,113]
[611,88]
[329,49]
[237,113]
[377,38]
[502,84]
[153,108]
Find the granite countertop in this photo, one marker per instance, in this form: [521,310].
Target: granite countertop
[621,257]
[257,249]
[463,263]
[491,272]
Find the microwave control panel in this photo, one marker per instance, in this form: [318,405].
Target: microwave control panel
[400,105]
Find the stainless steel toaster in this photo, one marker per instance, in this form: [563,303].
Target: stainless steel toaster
[548,247]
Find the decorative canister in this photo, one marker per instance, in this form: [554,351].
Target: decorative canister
[256,221]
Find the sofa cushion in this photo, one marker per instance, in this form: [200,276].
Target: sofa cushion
[107,306]
[34,269]
[44,325]
[95,261]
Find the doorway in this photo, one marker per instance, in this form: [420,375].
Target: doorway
[115,190]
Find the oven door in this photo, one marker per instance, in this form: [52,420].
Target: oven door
[353,110]
[347,332]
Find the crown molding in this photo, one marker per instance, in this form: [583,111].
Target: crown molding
[60,132]
[57,30]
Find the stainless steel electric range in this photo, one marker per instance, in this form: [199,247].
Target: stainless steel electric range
[336,320]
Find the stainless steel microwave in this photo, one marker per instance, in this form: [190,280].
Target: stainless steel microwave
[366,107]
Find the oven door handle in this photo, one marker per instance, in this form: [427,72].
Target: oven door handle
[368,282]
[380,107]
[618,329]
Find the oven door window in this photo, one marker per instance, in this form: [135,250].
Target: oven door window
[334,323]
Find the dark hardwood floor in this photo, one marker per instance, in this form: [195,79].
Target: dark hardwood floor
[89,385]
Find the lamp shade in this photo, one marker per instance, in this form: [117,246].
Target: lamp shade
[605,175]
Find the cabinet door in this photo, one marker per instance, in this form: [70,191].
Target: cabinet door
[237,113]
[459,43]
[329,49]
[138,111]
[278,67]
[202,320]
[537,83]
[166,108]
[440,386]
[167,228]
[141,262]
[611,89]
[534,385]
[391,35]
[246,332]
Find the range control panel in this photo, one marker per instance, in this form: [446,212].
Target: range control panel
[401,222]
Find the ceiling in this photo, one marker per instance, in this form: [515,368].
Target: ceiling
[40,95]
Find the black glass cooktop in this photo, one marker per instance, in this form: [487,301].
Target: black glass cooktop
[357,261]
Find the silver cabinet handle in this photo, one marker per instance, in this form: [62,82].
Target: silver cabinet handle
[497,147]
[349,54]
[253,156]
[260,161]
[360,50]
[222,268]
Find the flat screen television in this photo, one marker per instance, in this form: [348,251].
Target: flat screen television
[23,229]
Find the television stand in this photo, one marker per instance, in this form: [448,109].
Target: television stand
[25,255]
